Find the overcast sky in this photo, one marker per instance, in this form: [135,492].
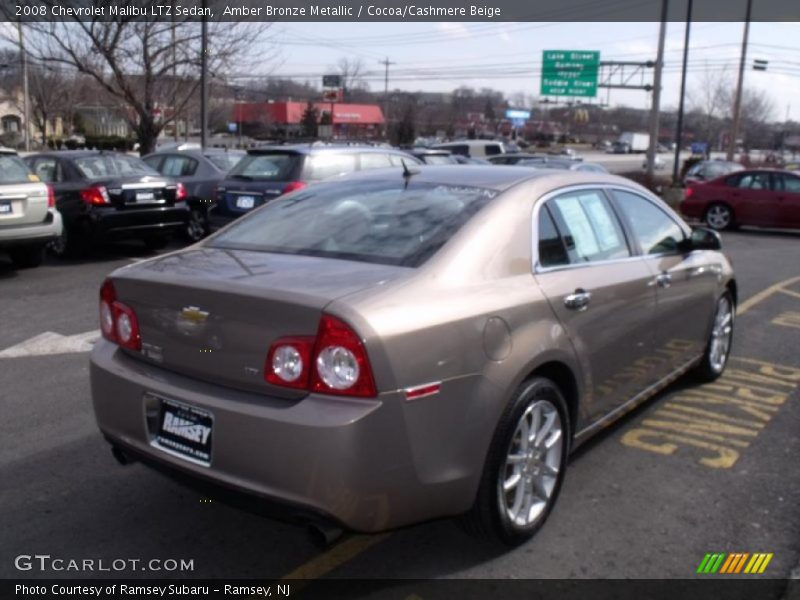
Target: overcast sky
[507,56]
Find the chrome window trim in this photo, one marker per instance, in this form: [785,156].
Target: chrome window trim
[600,187]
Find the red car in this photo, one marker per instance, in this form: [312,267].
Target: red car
[763,197]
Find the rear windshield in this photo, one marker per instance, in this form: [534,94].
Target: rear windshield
[225,162]
[103,166]
[376,222]
[277,166]
[13,170]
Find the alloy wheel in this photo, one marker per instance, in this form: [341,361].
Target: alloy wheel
[721,335]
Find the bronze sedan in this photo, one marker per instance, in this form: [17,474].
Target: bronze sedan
[390,348]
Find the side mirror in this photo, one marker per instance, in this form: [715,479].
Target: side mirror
[703,239]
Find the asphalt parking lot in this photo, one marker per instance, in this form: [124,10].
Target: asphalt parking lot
[696,470]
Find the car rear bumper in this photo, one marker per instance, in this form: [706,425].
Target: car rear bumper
[114,223]
[349,460]
[38,233]
[692,210]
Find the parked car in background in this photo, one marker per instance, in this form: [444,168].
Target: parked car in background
[200,171]
[433,157]
[569,153]
[28,216]
[434,344]
[706,170]
[512,158]
[548,162]
[468,160]
[474,148]
[761,197]
[110,196]
[265,173]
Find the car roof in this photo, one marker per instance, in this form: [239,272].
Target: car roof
[4,150]
[79,153]
[196,152]
[497,178]
[429,152]
[323,148]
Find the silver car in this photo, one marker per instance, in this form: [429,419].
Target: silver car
[389,348]
[28,216]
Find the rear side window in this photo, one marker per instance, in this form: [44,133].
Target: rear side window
[755,181]
[375,160]
[277,166]
[377,222]
[323,166]
[552,251]
[492,149]
[461,149]
[13,170]
[657,232]
[47,169]
[590,229]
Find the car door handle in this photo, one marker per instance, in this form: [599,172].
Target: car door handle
[664,280]
[578,300]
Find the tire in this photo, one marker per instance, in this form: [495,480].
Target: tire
[719,216]
[513,513]
[67,245]
[197,227]
[720,338]
[156,242]
[27,257]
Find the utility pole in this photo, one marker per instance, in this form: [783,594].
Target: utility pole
[25,96]
[656,107]
[174,87]
[386,64]
[679,128]
[737,105]
[204,79]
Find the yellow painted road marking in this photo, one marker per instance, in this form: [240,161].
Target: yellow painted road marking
[764,294]
[765,563]
[335,557]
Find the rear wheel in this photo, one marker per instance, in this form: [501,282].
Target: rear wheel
[525,466]
[27,257]
[197,227]
[719,342]
[67,244]
[719,216]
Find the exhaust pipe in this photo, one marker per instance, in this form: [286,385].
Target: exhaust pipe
[121,457]
[323,534]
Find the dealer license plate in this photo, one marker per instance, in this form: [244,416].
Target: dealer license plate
[185,431]
[145,196]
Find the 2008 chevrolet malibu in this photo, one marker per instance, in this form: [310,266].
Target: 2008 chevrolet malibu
[389,348]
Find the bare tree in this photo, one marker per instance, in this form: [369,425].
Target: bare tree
[352,73]
[146,66]
[709,99]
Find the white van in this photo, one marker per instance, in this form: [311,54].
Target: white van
[473,148]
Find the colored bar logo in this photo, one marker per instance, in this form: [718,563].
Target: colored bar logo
[734,563]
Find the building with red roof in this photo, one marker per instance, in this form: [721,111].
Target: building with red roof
[284,119]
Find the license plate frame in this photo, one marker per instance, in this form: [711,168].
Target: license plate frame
[245,202]
[181,431]
[144,197]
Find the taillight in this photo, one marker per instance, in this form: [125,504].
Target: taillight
[118,322]
[219,192]
[180,192]
[292,186]
[335,362]
[51,197]
[688,193]
[96,195]
[289,361]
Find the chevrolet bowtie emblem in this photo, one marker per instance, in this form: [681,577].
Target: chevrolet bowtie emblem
[194,315]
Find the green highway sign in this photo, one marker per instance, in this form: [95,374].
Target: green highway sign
[570,73]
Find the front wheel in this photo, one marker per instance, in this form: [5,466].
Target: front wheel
[525,466]
[718,346]
[719,216]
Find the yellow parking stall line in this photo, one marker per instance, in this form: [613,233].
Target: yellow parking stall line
[335,557]
[740,564]
[764,294]
[755,563]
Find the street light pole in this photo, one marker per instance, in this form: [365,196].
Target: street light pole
[679,128]
[654,116]
[386,64]
[737,104]
[25,95]
[204,78]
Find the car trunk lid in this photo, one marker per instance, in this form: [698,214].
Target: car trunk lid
[212,313]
